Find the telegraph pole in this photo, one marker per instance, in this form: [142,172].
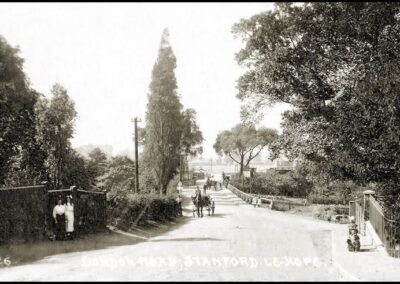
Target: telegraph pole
[136,120]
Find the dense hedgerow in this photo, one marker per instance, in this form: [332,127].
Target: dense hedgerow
[22,214]
[126,210]
[273,183]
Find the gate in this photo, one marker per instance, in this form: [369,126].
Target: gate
[89,208]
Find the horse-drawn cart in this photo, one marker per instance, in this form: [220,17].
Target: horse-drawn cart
[201,201]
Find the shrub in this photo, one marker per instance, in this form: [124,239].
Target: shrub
[319,199]
[273,183]
[338,192]
[22,214]
[125,210]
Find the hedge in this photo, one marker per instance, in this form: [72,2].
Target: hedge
[125,210]
[22,213]
[273,183]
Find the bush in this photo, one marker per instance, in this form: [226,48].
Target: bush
[273,183]
[338,192]
[126,209]
[22,214]
[326,200]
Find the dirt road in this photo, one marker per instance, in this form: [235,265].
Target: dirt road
[238,243]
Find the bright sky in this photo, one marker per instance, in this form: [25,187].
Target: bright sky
[103,53]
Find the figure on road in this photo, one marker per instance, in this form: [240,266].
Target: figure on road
[197,192]
[259,201]
[179,201]
[254,201]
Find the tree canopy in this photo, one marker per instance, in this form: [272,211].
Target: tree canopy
[338,65]
[17,103]
[169,130]
[244,142]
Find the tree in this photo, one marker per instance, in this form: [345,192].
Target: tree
[55,123]
[244,142]
[163,118]
[17,116]
[119,177]
[338,65]
[96,165]
[192,137]
[75,171]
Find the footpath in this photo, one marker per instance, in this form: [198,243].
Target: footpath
[370,264]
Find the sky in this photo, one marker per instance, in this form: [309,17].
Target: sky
[103,53]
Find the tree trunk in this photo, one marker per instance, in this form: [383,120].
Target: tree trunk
[241,165]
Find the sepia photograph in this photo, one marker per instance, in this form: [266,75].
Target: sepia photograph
[204,141]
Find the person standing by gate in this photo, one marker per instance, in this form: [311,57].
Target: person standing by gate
[59,219]
[69,217]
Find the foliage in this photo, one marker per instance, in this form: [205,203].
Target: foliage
[96,165]
[147,182]
[17,128]
[173,185]
[22,214]
[55,127]
[125,210]
[244,142]
[192,137]
[163,118]
[338,65]
[169,131]
[75,171]
[119,177]
[273,183]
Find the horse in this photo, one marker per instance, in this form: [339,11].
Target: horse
[199,202]
[211,183]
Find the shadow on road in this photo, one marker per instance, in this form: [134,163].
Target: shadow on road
[30,252]
[34,251]
[220,215]
[185,240]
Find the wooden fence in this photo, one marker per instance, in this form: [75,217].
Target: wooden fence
[266,202]
[26,212]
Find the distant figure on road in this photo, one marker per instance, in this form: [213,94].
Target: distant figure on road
[254,201]
[205,189]
[259,201]
[197,192]
[212,204]
[179,201]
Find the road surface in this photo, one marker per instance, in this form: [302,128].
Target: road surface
[238,243]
